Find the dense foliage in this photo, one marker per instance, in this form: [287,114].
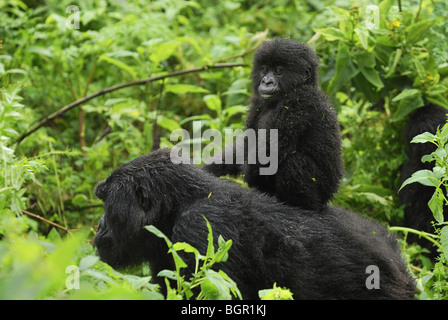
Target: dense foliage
[378,64]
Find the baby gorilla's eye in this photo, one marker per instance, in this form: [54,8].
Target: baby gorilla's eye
[264,70]
[278,70]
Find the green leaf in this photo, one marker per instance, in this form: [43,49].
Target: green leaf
[177,259]
[184,88]
[345,69]
[372,76]
[424,138]
[170,274]
[216,286]
[87,262]
[210,248]
[222,253]
[436,205]
[119,64]
[438,99]
[417,31]
[409,100]
[394,62]
[363,35]
[373,197]
[159,234]
[168,123]
[276,293]
[213,102]
[331,34]
[162,51]
[424,177]
[444,240]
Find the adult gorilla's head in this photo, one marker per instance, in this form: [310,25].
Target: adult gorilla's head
[281,66]
[145,191]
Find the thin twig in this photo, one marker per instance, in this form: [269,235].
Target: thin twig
[76,103]
[45,220]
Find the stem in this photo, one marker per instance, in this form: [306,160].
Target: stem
[76,103]
[418,12]
[426,235]
[45,220]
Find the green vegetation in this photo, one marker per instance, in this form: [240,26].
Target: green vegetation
[377,67]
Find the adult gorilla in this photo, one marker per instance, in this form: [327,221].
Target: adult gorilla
[317,256]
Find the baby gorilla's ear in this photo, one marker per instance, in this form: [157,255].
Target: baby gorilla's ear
[307,74]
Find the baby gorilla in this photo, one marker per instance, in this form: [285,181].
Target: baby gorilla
[317,256]
[287,98]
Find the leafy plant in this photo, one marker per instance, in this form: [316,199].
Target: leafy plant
[214,285]
[387,62]
[437,178]
[276,293]
[435,285]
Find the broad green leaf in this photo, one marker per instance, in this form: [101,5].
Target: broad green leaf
[213,102]
[444,240]
[363,35]
[345,69]
[424,137]
[425,177]
[406,93]
[170,274]
[443,69]
[372,76]
[215,287]
[162,51]
[87,262]
[438,99]
[436,205]
[384,7]
[417,31]
[168,123]
[437,89]
[373,197]
[410,100]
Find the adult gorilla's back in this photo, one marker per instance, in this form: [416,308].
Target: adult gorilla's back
[317,256]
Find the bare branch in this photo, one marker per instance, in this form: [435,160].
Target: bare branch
[78,102]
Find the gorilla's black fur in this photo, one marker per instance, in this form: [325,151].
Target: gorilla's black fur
[286,97]
[317,256]
[415,196]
